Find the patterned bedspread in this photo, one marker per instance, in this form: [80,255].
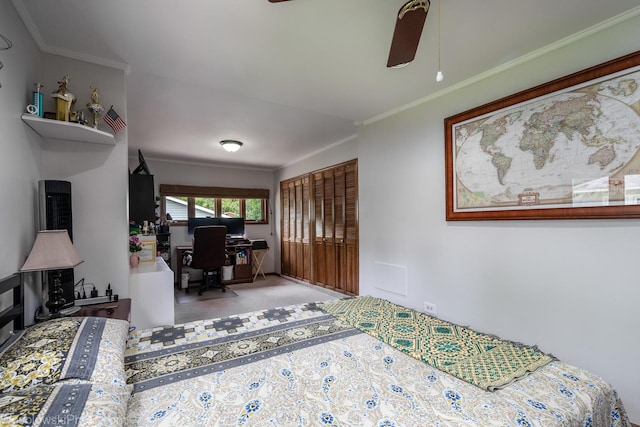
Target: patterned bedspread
[298,366]
[480,359]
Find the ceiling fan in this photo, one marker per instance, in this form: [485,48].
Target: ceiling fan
[406,36]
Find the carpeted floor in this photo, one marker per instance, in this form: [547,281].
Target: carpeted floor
[274,291]
[184,298]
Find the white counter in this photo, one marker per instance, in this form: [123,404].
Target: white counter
[151,292]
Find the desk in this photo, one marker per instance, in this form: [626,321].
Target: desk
[238,255]
[121,310]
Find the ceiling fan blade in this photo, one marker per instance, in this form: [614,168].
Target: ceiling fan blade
[406,36]
[276,1]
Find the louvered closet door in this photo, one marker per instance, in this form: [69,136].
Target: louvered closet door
[304,253]
[295,229]
[336,228]
[302,250]
[320,227]
[348,276]
[324,273]
[339,210]
[285,228]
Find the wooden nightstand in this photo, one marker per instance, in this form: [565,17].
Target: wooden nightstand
[120,309]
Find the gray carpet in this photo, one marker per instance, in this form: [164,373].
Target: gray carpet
[192,296]
[262,294]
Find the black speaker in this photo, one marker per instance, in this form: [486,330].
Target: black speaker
[142,203]
[56,214]
[55,206]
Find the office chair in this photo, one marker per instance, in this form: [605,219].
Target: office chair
[209,254]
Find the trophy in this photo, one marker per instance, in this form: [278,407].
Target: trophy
[64,99]
[95,108]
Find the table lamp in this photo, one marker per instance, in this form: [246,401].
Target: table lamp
[52,250]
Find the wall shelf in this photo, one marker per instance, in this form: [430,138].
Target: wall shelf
[57,129]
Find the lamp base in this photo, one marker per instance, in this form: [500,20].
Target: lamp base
[43,317]
[56,300]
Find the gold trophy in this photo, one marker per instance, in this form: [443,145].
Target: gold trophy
[64,100]
[94,106]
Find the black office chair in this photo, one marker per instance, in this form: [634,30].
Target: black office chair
[209,254]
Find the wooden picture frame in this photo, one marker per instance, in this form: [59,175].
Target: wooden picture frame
[148,253]
[567,149]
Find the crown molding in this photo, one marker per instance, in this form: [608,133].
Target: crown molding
[37,38]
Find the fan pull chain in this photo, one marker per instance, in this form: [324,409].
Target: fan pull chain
[439,75]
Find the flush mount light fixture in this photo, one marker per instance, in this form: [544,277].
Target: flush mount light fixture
[231,145]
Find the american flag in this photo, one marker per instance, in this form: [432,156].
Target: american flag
[113,119]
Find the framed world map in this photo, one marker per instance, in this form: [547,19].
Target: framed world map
[567,149]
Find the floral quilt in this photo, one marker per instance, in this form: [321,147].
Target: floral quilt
[299,366]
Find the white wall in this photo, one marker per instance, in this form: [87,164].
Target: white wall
[20,160]
[184,173]
[337,153]
[570,287]
[98,175]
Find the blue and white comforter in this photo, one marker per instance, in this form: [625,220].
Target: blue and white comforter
[297,366]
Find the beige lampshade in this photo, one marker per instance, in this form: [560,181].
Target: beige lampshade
[52,250]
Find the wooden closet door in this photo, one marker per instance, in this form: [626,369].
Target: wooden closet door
[337,250]
[305,230]
[346,228]
[339,206]
[320,228]
[302,250]
[349,265]
[285,228]
[295,256]
[336,228]
[324,266]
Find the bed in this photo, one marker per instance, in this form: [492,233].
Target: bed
[359,361]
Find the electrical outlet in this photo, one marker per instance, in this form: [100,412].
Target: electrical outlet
[430,308]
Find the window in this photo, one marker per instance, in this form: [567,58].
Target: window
[230,207]
[253,209]
[186,201]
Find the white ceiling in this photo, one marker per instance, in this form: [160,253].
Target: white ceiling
[287,79]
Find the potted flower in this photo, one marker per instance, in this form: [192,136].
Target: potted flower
[135,245]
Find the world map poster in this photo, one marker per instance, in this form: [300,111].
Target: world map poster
[573,147]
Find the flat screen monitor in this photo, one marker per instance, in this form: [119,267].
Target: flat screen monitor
[192,223]
[235,226]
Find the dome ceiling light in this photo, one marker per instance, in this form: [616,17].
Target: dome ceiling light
[231,145]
